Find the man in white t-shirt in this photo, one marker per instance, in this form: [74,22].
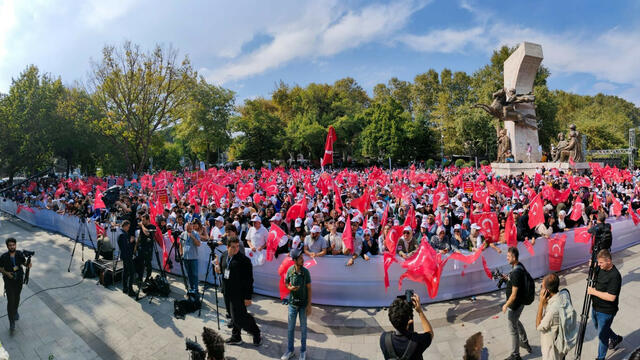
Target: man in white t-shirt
[217,231]
[257,235]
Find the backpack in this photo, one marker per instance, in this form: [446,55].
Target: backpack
[89,270]
[389,351]
[604,237]
[529,286]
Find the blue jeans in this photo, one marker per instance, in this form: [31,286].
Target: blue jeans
[191,266]
[293,312]
[602,323]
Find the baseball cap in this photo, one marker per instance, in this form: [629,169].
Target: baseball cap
[475,226]
[255,218]
[295,253]
[407,228]
[276,217]
[298,222]
[315,229]
[219,218]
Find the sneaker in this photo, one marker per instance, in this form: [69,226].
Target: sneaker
[233,341]
[288,355]
[614,343]
[303,355]
[526,346]
[257,341]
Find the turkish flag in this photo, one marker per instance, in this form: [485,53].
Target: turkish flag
[536,212]
[536,179]
[504,189]
[634,216]
[389,258]
[556,251]
[510,231]
[98,203]
[270,188]
[286,263]
[391,240]
[486,268]
[488,222]
[385,216]
[328,147]
[347,236]
[361,203]
[581,235]
[596,202]
[425,267]
[100,230]
[560,196]
[297,210]
[411,219]
[440,195]
[617,207]
[467,259]
[244,190]
[25,208]
[480,196]
[576,211]
[309,189]
[529,247]
[337,200]
[60,190]
[32,186]
[273,240]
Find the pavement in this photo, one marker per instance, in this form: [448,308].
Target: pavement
[83,320]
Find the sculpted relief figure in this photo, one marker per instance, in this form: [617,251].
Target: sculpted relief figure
[503,107]
[504,145]
[568,150]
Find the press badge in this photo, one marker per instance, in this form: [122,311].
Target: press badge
[226,273]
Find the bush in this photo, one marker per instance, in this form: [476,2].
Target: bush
[431,163]
[484,162]
[460,163]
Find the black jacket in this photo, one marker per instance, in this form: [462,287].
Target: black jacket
[7,265]
[240,282]
[126,248]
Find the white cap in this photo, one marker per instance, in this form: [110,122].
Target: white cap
[276,217]
[440,229]
[298,222]
[295,242]
[255,218]
[407,228]
[367,232]
[424,224]
[456,227]
[315,229]
[341,218]
[219,218]
[475,226]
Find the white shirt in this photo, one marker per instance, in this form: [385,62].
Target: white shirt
[258,237]
[216,233]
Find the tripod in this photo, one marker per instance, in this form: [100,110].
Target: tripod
[215,282]
[178,259]
[162,272]
[82,229]
[586,305]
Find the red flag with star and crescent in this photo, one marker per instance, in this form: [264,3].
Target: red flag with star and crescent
[536,212]
[556,251]
[328,147]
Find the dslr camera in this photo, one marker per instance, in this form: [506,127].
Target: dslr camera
[498,275]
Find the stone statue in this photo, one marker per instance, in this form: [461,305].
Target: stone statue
[503,107]
[568,150]
[504,145]
[575,146]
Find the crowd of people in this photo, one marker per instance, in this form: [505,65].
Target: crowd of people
[340,213]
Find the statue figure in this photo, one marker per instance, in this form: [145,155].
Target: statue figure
[504,145]
[503,107]
[575,146]
[568,150]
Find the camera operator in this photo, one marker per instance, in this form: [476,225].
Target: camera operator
[404,341]
[11,264]
[145,245]
[516,293]
[237,284]
[125,243]
[189,243]
[602,232]
[605,294]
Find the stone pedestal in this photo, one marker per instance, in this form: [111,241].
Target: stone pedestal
[519,74]
[506,169]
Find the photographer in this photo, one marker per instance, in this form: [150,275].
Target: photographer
[516,297]
[605,297]
[11,264]
[189,243]
[404,341]
[602,232]
[145,245]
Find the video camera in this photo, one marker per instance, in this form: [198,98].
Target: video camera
[498,275]
[408,296]
[197,352]
[28,253]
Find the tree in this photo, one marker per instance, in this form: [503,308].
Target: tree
[260,132]
[139,93]
[205,126]
[385,134]
[25,117]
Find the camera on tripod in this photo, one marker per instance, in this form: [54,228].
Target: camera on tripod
[496,274]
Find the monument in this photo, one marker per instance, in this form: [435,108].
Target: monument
[514,107]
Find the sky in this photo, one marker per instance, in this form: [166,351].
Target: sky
[590,47]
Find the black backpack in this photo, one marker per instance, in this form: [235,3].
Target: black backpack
[604,237]
[529,286]
[390,352]
[89,270]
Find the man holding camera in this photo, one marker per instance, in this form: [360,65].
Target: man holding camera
[516,293]
[404,342]
[605,297]
[602,233]
[11,264]
[145,245]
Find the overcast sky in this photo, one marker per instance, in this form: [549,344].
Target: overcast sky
[249,46]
